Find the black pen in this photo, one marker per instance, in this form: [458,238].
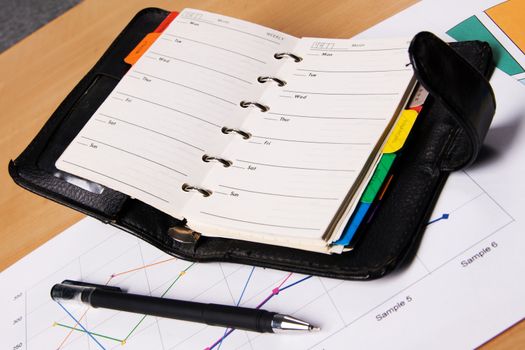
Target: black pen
[114,298]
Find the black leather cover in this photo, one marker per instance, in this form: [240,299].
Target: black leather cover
[446,136]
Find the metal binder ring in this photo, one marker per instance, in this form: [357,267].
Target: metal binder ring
[187,188]
[280,55]
[245,135]
[246,104]
[226,163]
[279,82]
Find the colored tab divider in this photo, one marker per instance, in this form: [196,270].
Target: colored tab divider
[142,47]
[354,223]
[378,178]
[400,132]
[371,190]
[148,40]
[395,142]
[166,22]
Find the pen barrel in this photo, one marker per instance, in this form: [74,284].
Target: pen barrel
[239,318]
[212,314]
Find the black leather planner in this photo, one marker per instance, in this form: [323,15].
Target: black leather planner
[447,136]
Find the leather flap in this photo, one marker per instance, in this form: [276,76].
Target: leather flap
[463,90]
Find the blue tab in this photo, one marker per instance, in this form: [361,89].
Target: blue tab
[353,224]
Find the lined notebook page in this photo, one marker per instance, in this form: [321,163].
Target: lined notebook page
[149,136]
[307,151]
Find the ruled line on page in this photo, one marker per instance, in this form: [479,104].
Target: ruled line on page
[204,67]
[344,93]
[324,117]
[277,194]
[114,179]
[310,141]
[364,50]
[294,167]
[153,131]
[170,108]
[133,154]
[236,30]
[217,47]
[188,87]
[260,223]
[353,71]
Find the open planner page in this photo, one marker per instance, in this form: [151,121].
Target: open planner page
[149,136]
[244,131]
[307,151]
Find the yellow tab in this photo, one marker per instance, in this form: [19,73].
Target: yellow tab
[399,134]
[139,50]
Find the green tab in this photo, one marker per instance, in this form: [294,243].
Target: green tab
[378,178]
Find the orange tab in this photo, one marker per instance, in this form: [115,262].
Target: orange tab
[139,50]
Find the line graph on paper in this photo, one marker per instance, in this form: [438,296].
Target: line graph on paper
[127,262]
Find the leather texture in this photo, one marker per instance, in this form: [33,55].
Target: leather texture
[464,92]
[446,136]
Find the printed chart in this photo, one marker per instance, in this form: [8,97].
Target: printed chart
[502,26]
[500,23]
[108,256]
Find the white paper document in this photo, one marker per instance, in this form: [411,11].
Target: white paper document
[465,285]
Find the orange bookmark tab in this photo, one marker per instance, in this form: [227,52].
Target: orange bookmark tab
[139,50]
[149,39]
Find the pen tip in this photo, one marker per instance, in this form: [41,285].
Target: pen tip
[282,323]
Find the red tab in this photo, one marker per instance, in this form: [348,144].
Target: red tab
[166,22]
[417,108]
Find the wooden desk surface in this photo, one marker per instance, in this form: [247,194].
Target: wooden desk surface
[37,73]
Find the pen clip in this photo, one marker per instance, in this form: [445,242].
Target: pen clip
[98,286]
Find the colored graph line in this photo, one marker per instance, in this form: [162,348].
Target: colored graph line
[245,286]
[443,217]
[92,333]
[81,326]
[182,273]
[140,268]
[71,330]
[107,282]
[238,301]
[74,328]
[274,292]
[295,283]
[122,341]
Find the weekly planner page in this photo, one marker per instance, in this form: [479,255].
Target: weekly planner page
[309,149]
[149,136]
